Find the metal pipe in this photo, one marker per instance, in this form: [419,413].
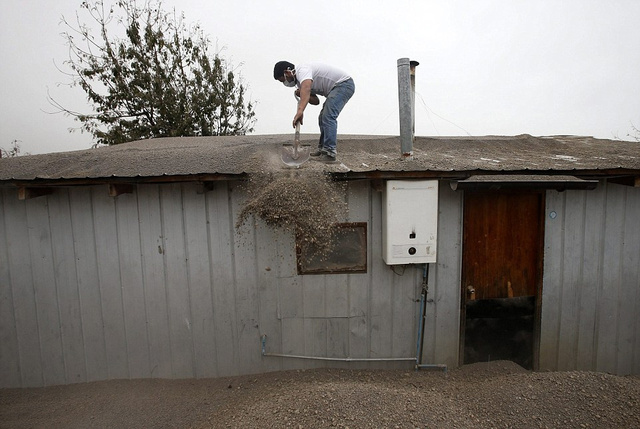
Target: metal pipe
[420,328]
[404,101]
[347,359]
[412,72]
[421,323]
[423,311]
[441,366]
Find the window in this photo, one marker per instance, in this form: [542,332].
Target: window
[347,253]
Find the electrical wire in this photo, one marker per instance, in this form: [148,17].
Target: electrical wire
[428,110]
[393,268]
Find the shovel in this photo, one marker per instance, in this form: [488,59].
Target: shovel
[295,155]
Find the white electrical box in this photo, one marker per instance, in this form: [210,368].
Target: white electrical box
[409,221]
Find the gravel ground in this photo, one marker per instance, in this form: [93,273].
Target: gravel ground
[484,395]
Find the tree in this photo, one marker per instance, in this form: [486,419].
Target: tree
[13,151]
[156,78]
[636,133]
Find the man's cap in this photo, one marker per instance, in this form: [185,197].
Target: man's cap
[280,67]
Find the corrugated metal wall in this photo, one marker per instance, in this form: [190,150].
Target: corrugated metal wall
[591,292]
[159,283]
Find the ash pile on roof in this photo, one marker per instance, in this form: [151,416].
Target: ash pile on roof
[307,203]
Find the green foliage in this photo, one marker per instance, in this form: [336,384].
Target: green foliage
[156,78]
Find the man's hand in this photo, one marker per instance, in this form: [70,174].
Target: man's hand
[297,118]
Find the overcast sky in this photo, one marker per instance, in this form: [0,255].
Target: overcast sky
[501,67]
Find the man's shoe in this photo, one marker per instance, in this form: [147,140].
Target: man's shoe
[316,153]
[327,159]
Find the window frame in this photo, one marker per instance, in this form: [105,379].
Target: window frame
[304,268]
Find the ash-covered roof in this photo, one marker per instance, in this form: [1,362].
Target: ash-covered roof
[359,156]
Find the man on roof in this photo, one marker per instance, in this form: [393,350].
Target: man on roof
[311,80]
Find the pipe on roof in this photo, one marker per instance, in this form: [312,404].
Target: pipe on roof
[412,72]
[405,107]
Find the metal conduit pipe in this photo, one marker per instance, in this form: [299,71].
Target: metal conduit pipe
[347,359]
[419,345]
[421,323]
[442,366]
[421,319]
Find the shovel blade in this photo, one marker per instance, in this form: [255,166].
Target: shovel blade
[294,155]
[294,158]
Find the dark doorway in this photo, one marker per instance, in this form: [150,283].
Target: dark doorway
[503,235]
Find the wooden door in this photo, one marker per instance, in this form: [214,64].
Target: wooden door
[503,236]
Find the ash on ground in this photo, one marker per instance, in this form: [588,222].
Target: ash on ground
[496,394]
